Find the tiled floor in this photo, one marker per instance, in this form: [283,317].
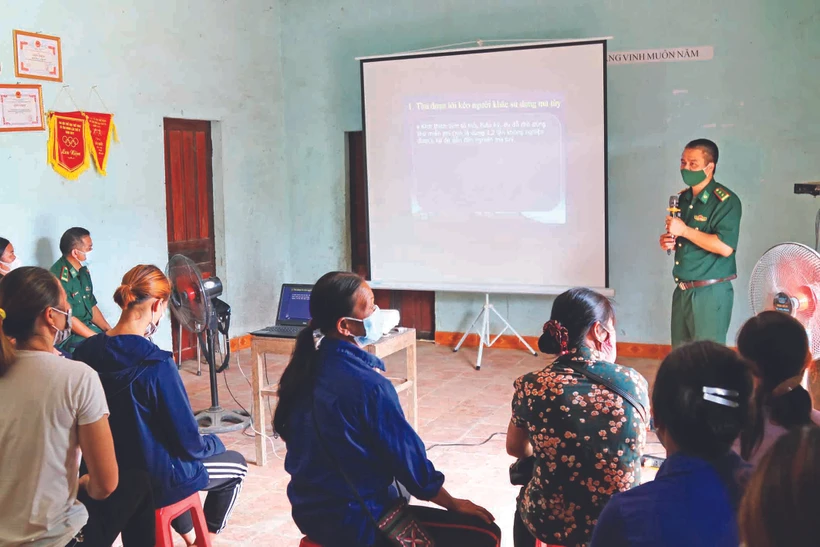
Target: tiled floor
[457,404]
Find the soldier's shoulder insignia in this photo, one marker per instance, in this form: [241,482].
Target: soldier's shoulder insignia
[64,274]
[722,194]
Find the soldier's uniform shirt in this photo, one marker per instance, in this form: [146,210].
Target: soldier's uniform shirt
[80,293]
[704,313]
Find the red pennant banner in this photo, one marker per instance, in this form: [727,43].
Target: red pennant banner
[101,128]
[68,143]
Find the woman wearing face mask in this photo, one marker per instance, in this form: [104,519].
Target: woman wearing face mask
[151,418]
[587,440]
[8,260]
[348,440]
[52,410]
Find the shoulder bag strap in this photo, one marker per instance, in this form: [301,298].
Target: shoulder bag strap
[628,397]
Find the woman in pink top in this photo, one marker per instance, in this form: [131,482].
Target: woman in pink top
[778,345]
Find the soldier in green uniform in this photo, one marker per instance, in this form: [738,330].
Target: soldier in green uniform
[71,270]
[704,239]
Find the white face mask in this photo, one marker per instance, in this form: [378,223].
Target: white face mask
[62,334]
[87,261]
[372,328]
[6,267]
[151,328]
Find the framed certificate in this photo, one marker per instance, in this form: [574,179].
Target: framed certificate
[21,107]
[37,56]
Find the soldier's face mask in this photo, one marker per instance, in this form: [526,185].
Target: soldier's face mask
[693,178]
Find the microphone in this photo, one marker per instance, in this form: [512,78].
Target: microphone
[674,211]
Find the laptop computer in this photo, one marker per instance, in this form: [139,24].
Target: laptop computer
[293,314]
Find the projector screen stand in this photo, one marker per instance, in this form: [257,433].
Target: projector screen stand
[484,331]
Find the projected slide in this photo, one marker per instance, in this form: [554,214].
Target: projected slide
[493,156]
[488,167]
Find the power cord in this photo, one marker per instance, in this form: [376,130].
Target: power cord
[275,436]
[485,441]
[251,427]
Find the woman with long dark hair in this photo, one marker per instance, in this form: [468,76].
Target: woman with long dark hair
[780,506]
[701,402]
[347,439]
[53,409]
[587,439]
[778,345]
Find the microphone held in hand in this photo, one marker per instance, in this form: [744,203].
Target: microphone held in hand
[674,211]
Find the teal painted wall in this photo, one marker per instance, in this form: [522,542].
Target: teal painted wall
[757,99]
[153,59]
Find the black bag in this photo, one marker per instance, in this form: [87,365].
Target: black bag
[398,524]
[522,469]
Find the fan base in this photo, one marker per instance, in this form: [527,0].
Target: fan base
[218,420]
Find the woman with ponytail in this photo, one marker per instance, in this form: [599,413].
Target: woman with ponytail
[347,439]
[777,344]
[52,410]
[151,417]
[587,440]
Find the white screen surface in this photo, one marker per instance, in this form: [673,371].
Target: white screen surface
[487,168]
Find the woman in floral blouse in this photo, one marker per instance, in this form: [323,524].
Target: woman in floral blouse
[587,440]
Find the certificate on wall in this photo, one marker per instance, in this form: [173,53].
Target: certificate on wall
[21,108]
[37,56]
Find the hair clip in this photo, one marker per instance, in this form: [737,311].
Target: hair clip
[712,394]
[559,333]
[787,385]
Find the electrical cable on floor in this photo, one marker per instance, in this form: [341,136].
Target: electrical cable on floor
[269,438]
[485,441]
[251,427]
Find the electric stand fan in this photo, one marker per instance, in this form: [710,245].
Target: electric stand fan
[787,279]
[195,305]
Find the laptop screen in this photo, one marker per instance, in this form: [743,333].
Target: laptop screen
[294,307]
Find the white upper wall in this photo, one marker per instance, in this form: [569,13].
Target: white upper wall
[152,59]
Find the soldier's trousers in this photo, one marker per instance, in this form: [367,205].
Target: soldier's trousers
[702,313]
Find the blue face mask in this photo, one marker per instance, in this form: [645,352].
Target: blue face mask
[372,328]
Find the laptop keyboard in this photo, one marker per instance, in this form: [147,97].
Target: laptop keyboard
[284,329]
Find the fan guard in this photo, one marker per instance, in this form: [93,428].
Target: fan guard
[787,279]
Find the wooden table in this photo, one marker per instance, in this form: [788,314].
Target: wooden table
[397,340]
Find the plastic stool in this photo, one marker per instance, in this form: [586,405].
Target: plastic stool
[165,515]
[307,543]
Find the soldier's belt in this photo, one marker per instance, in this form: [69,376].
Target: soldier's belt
[686,285]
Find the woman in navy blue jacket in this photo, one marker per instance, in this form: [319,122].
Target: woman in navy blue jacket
[151,418]
[347,439]
[701,402]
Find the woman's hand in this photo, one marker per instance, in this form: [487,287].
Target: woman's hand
[466,507]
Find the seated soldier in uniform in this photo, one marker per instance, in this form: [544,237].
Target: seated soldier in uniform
[72,271]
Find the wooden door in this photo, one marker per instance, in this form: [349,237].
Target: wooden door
[417,308]
[189,203]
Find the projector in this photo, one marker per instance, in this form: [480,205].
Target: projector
[811,188]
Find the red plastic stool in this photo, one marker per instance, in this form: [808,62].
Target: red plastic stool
[307,543]
[165,515]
